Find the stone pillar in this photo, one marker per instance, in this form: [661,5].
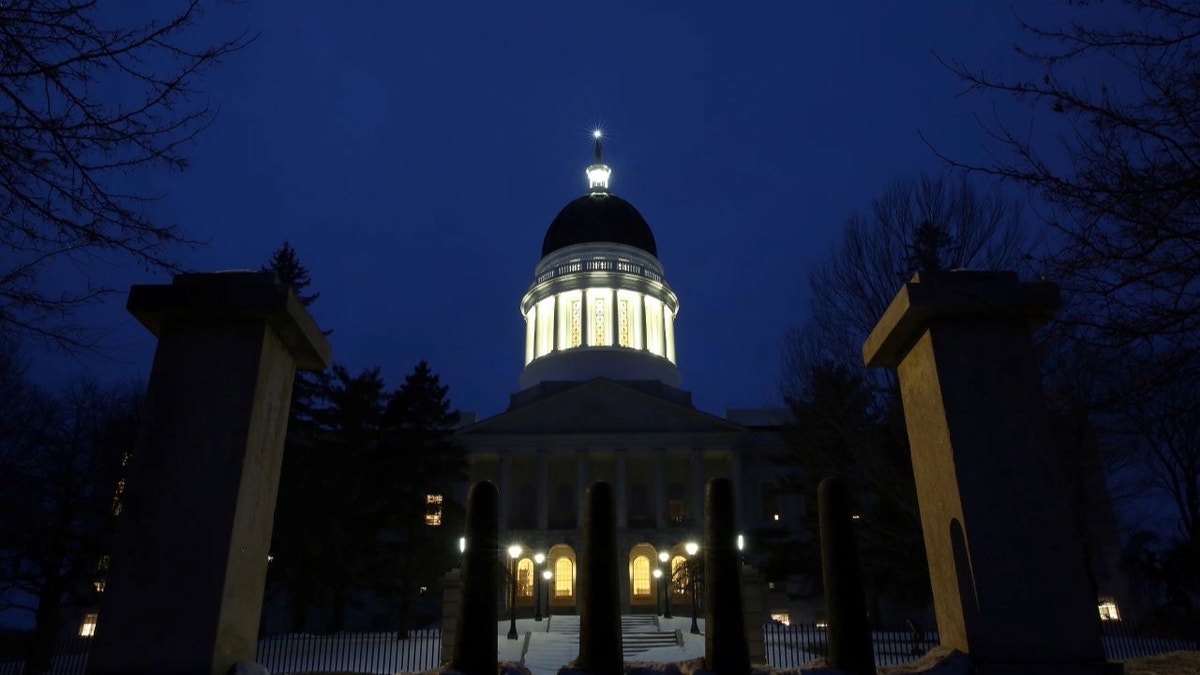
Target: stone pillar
[581,485]
[1009,580]
[543,493]
[621,468]
[754,614]
[190,559]
[504,474]
[696,505]
[660,491]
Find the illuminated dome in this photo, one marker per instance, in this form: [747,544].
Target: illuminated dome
[599,305]
[599,217]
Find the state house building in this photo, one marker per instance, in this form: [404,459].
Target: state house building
[600,398]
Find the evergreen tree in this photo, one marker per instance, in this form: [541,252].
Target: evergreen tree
[286,264]
[425,464]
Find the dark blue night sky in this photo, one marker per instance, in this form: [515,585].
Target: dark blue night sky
[414,154]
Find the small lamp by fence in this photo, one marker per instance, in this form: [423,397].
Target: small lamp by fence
[514,552]
[657,590]
[547,575]
[538,559]
[692,548]
[663,558]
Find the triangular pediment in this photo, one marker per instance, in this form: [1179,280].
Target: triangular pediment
[602,406]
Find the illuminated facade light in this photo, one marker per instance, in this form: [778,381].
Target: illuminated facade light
[1108,610]
[87,628]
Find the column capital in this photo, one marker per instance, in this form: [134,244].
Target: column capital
[223,296]
[964,294]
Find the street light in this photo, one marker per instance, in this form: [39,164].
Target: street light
[662,559]
[514,552]
[547,575]
[538,558]
[692,547]
[658,590]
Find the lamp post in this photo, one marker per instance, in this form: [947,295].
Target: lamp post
[547,575]
[657,590]
[663,558]
[514,552]
[538,559]
[692,547]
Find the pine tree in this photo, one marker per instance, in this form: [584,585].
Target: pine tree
[285,263]
[425,463]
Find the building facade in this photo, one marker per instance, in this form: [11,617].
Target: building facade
[600,398]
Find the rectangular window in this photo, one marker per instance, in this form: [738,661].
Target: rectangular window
[1108,610]
[87,628]
[623,324]
[600,328]
[576,324]
[433,510]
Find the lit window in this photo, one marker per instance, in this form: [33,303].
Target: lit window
[600,331]
[623,324]
[641,576]
[782,618]
[87,628]
[679,574]
[576,324]
[564,577]
[99,586]
[1108,610]
[525,578]
[770,585]
[433,510]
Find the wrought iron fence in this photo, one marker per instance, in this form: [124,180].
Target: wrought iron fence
[1124,641]
[356,652]
[794,645]
[70,657]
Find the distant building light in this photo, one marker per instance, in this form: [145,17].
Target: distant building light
[775,517]
[741,542]
[1108,610]
[462,544]
[783,618]
[433,510]
[99,585]
[88,627]
[856,517]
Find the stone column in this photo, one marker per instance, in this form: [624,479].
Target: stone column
[696,507]
[190,559]
[1009,580]
[621,468]
[660,491]
[543,494]
[581,485]
[505,486]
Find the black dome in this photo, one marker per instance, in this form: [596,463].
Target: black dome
[599,217]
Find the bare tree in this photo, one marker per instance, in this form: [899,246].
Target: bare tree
[926,223]
[60,490]
[848,419]
[82,104]
[1122,178]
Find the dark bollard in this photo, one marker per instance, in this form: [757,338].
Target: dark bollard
[726,650]
[849,632]
[475,631]
[599,587]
